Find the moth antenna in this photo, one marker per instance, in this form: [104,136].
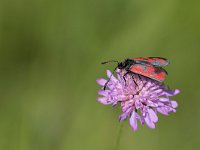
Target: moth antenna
[105,62]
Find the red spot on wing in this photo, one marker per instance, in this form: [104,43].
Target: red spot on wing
[160,76]
[138,68]
[150,70]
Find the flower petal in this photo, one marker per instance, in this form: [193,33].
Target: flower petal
[162,110]
[123,116]
[103,100]
[172,92]
[164,99]
[114,104]
[109,73]
[103,92]
[153,116]
[133,121]
[101,81]
[174,104]
[149,122]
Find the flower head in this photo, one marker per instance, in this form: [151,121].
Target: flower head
[141,98]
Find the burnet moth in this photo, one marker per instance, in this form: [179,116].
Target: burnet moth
[150,67]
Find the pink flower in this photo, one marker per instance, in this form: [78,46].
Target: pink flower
[141,98]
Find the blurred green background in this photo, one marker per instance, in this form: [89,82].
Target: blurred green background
[50,54]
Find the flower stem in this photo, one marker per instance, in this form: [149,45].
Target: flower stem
[117,142]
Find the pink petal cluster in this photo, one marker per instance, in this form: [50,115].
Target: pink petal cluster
[141,98]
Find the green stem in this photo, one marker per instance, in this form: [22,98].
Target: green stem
[117,142]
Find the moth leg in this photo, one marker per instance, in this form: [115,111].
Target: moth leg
[124,76]
[140,79]
[132,75]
